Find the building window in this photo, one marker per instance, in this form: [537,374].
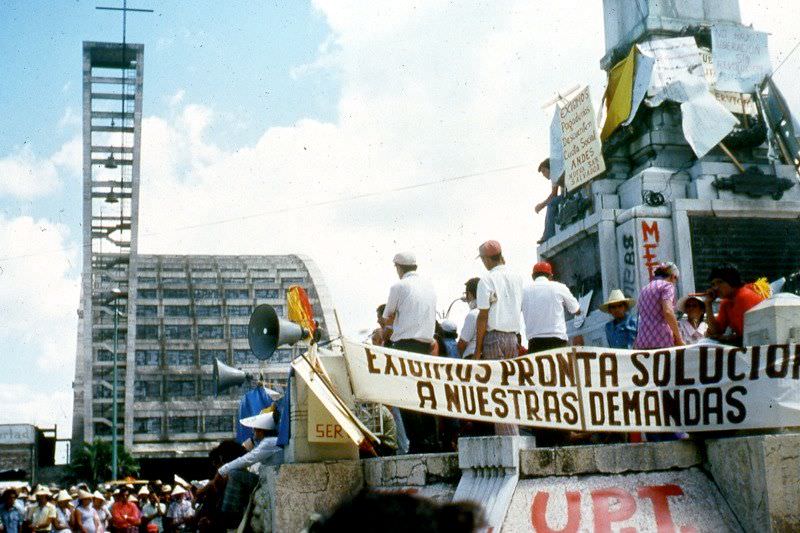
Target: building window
[146,332]
[239,310]
[237,294]
[219,424]
[207,310]
[293,280]
[150,424]
[177,310]
[147,390]
[183,424]
[205,331]
[181,388]
[180,357]
[234,280]
[239,331]
[101,429]
[263,280]
[100,391]
[267,293]
[206,293]
[146,279]
[147,294]
[172,332]
[243,357]
[146,310]
[281,356]
[147,357]
[104,356]
[207,356]
[173,281]
[176,293]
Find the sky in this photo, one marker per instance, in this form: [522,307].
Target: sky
[292,127]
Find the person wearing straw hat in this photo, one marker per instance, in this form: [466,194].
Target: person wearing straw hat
[103,512]
[12,511]
[266,449]
[153,511]
[621,329]
[84,517]
[125,515]
[42,515]
[63,512]
[180,513]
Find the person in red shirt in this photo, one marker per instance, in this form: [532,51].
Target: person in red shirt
[125,515]
[737,299]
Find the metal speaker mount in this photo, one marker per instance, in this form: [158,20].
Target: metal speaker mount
[267,331]
[226,377]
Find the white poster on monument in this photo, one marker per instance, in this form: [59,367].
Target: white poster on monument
[741,58]
[583,153]
[673,59]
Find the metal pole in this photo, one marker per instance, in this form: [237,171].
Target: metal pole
[114,393]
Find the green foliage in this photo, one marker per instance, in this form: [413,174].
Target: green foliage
[91,462]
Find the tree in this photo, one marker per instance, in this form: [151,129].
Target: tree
[91,462]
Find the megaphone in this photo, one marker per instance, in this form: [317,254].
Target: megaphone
[266,331]
[226,377]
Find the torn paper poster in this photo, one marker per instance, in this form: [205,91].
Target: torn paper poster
[705,121]
[741,58]
[673,58]
[556,148]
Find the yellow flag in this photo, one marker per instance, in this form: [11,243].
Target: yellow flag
[619,94]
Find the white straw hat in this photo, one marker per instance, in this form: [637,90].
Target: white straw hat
[264,420]
[617,297]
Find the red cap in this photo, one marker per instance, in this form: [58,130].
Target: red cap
[543,267]
[489,249]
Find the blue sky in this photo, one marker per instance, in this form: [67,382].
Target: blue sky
[253,106]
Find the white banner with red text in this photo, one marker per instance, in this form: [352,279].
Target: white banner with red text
[695,388]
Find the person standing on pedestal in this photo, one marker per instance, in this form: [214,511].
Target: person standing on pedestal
[410,321]
[499,312]
[543,305]
[552,202]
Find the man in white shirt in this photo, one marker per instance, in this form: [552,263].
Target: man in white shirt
[499,302]
[543,306]
[410,321]
[466,340]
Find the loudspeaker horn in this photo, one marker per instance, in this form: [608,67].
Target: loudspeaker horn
[226,376]
[266,331]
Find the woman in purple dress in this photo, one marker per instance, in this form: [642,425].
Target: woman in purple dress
[658,327]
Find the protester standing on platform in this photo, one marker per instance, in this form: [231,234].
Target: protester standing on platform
[552,202]
[411,314]
[499,308]
[737,299]
[466,339]
[543,305]
[621,329]
[658,326]
[693,328]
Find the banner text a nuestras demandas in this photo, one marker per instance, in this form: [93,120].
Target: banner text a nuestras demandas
[593,389]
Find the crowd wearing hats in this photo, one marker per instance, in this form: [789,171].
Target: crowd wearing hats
[118,508]
[510,316]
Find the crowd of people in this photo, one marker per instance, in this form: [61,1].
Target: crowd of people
[510,316]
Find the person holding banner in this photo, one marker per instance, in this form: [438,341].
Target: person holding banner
[410,312]
[499,309]
[737,299]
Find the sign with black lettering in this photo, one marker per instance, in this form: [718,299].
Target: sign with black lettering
[592,389]
[583,154]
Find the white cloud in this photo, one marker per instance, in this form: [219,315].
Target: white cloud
[38,298]
[24,175]
[70,118]
[177,98]
[23,403]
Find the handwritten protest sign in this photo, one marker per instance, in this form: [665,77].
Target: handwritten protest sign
[697,388]
[583,154]
[741,58]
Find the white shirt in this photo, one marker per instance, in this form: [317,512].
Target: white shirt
[469,332]
[264,452]
[543,305]
[412,301]
[689,333]
[500,291]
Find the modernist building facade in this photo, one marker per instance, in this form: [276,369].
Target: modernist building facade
[164,317]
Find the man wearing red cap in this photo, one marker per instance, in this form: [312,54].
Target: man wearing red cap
[543,306]
[499,308]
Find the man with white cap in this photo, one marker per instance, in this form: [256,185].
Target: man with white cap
[42,516]
[499,312]
[410,312]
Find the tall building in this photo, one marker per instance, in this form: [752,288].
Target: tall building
[165,317]
[659,202]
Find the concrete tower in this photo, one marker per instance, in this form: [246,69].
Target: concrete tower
[613,233]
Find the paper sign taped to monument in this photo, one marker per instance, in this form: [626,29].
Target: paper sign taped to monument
[673,58]
[741,58]
[695,388]
[583,154]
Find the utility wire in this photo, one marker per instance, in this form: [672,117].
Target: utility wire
[320,203]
